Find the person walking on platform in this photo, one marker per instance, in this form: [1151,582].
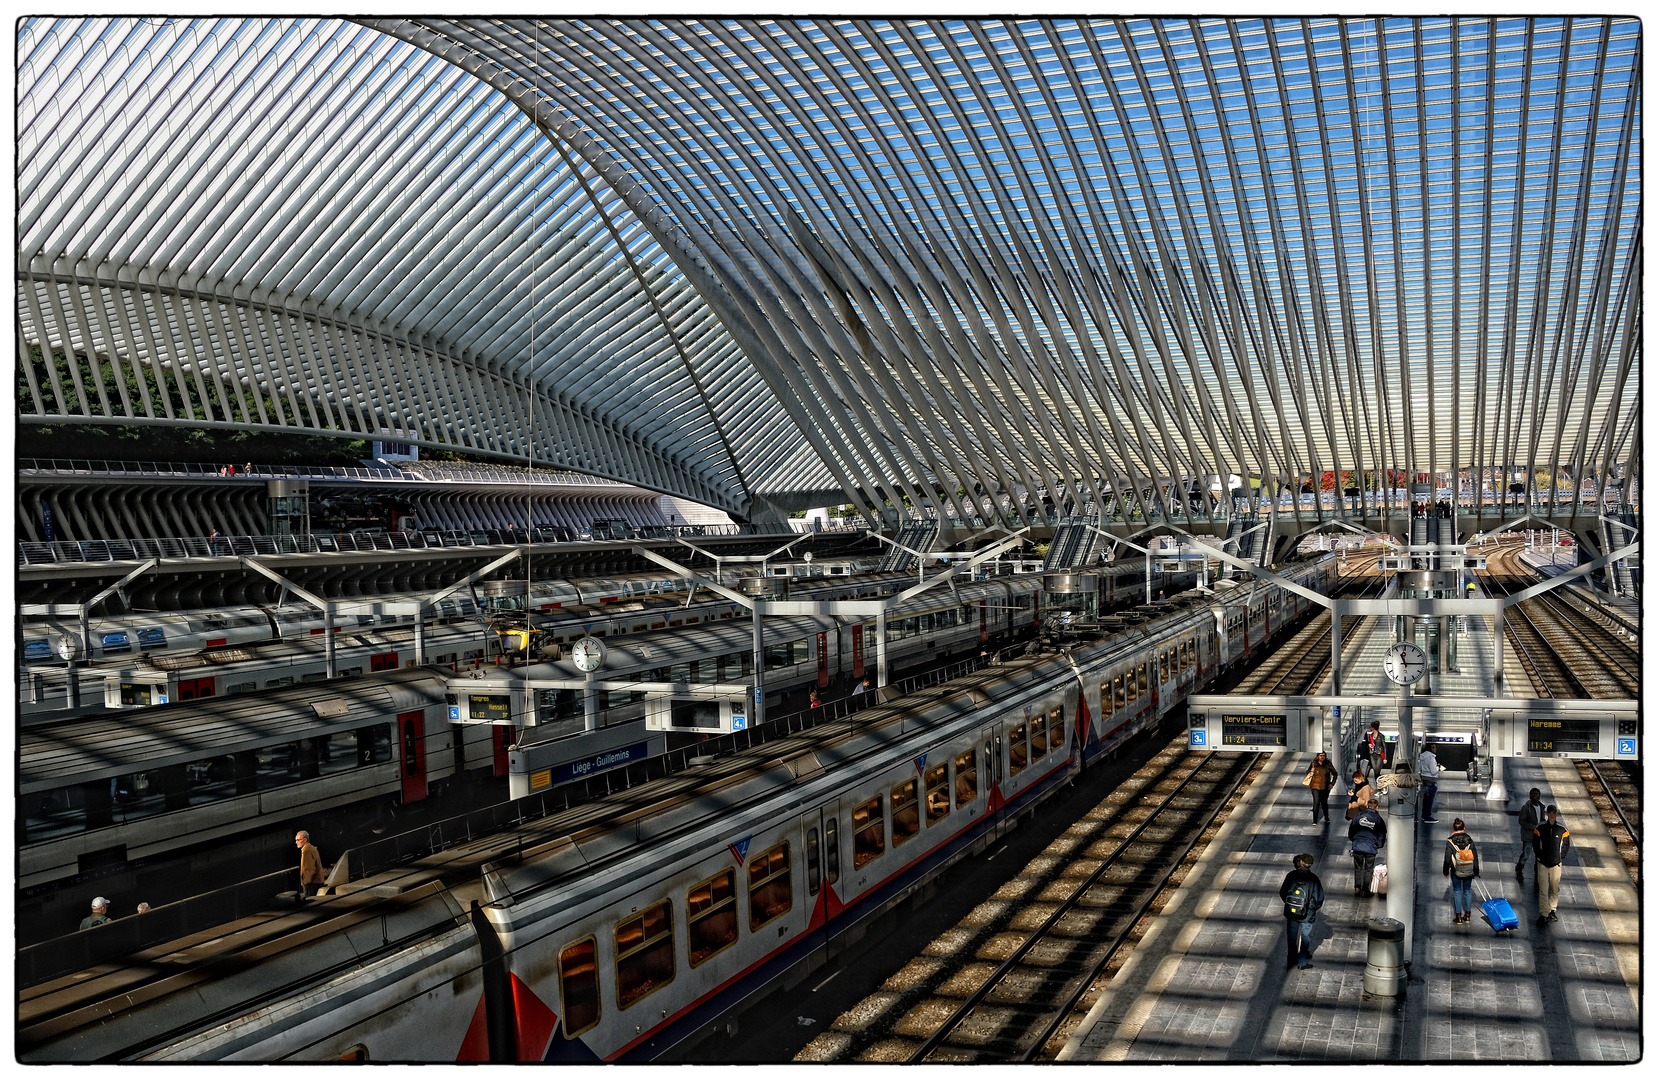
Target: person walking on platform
[1427,771]
[1531,816]
[310,864]
[1358,794]
[1550,842]
[99,916]
[1302,894]
[1372,750]
[1462,866]
[1368,832]
[1321,777]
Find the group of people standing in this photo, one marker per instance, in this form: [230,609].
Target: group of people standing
[1541,833]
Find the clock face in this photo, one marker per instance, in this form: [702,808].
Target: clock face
[588,653]
[1405,663]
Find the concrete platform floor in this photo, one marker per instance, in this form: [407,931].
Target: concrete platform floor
[1208,981]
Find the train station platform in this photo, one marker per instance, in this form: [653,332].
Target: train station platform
[1208,980]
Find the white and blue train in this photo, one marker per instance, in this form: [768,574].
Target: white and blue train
[632,933]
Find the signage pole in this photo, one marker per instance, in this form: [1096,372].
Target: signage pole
[757,709]
[590,702]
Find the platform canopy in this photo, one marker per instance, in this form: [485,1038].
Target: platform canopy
[770,264]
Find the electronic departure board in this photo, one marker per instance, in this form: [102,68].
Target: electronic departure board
[1238,730]
[1563,735]
[493,708]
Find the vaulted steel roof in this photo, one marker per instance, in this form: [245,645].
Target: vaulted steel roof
[756,262]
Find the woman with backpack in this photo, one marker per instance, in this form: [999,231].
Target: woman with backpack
[1462,866]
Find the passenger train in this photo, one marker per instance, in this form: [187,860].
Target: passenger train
[635,934]
[143,660]
[120,787]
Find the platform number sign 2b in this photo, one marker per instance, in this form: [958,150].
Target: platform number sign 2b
[1627,746]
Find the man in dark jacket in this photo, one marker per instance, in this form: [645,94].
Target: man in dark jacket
[1531,816]
[1302,894]
[1549,842]
[1368,832]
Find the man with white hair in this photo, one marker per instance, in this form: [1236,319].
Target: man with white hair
[99,916]
[310,864]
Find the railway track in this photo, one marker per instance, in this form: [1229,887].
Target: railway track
[1299,666]
[1615,787]
[1564,652]
[1012,979]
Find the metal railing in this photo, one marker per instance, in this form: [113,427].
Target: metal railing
[123,937]
[420,471]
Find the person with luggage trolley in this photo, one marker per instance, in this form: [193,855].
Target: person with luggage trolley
[1462,866]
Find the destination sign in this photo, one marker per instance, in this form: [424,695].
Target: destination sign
[1563,735]
[1252,730]
[493,708]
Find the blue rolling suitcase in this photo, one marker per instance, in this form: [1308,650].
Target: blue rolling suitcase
[1498,912]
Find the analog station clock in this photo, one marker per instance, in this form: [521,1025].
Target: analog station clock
[1405,663]
[588,653]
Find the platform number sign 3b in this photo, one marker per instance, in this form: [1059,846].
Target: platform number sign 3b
[1200,737]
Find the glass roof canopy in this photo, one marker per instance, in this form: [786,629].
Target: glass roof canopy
[768,264]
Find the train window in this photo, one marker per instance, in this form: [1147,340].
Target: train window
[1117,698]
[644,953]
[1038,738]
[681,673]
[1163,666]
[770,892]
[1017,753]
[310,676]
[374,744]
[869,834]
[1056,727]
[906,813]
[711,916]
[1144,686]
[967,778]
[154,638]
[1131,687]
[831,841]
[578,986]
[814,856]
[938,793]
[777,655]
[286,680]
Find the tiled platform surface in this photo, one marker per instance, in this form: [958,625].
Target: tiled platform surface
[1208,982]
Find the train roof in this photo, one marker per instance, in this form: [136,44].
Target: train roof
[58,753]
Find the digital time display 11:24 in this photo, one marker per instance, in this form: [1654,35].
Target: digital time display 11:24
[1252,730]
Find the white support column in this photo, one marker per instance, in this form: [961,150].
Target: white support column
[420,635]
[881,648]
[328,637]
[589,703]
[1401,832]
[757,715]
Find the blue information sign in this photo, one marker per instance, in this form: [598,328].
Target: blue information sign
[598,763]
[1200,737]
[1627,747]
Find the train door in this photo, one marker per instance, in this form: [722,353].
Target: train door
[822,660]
[382,661]
[412,725]
[990,744]
[500,740]
[190,689]
[822,832]
[984,630]
[858,650]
